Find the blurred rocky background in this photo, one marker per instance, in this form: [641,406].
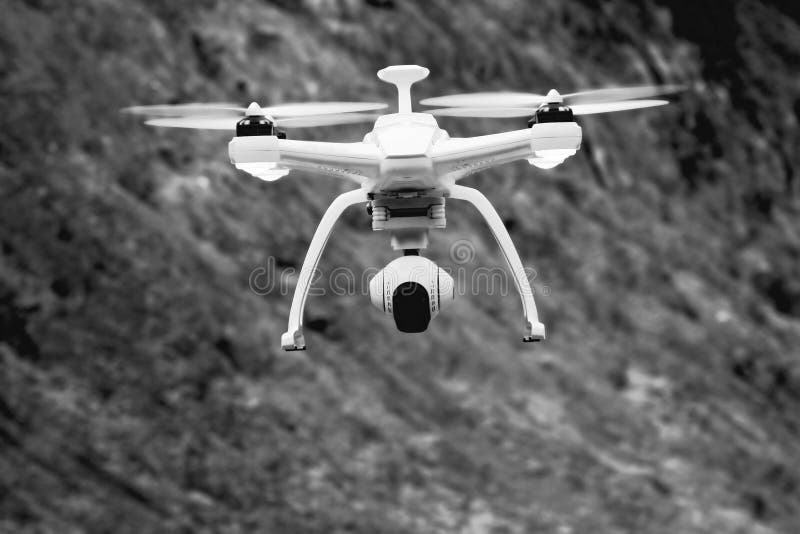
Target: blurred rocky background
[142,387]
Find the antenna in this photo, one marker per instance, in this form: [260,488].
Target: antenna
[403,77]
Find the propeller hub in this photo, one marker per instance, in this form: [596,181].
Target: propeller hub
[553,97]
[254,110]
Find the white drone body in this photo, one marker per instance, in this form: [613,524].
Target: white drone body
[405,168]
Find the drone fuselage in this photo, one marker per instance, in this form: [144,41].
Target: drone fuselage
[405,140]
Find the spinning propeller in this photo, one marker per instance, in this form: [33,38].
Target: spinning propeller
[509,104]
[222,116]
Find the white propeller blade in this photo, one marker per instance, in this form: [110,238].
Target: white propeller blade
[606,107]
[232,110]
[185,110]
[321,108]
[229,123]
[481,100]
[325,120]
[514,100]
[495,113]
[200,123]
[578,109]
[615,94]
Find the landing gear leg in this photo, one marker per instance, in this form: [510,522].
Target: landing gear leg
[534,330]
[293,338]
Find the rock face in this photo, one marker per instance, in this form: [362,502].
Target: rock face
[142,387]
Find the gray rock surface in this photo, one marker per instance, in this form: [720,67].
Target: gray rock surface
[142,388]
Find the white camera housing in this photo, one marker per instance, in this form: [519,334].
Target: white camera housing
[413,290]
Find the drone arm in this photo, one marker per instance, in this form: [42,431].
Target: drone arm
[459,157]
[534,330]
[354,161]
[293,338]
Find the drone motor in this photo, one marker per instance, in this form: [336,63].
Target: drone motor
[551,112]
[554,110]
[255,125]
[256,122]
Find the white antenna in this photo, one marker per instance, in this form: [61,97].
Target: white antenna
[403,77]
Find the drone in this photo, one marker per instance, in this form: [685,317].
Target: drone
[405,168]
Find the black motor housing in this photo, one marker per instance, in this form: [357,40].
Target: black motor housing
[257,125]
[553,112]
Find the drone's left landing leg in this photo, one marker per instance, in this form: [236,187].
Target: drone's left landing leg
[534,330]
[293,338]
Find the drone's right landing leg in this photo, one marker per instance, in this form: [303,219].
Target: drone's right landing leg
[293,338]
[534,330]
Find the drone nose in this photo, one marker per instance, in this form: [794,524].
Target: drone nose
[554,97]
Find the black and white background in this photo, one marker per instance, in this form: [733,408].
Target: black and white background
[142,387]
